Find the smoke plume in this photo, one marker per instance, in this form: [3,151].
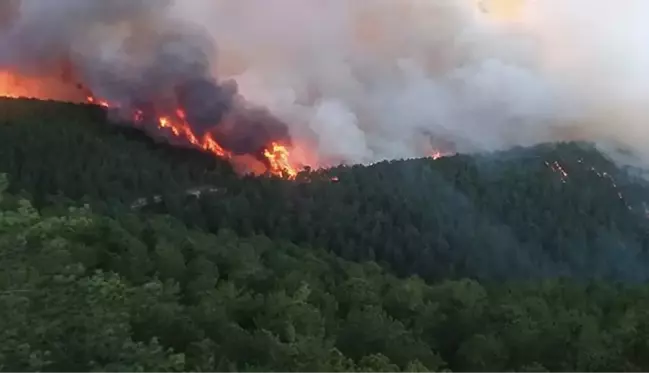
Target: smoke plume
[356,81]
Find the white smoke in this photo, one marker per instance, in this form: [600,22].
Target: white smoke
[361,81]
[365,80]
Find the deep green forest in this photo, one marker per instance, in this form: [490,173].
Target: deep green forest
[531,259]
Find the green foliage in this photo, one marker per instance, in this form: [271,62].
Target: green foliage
[71,300]
[77,154]
[507,215]
[503,216]
[239,278]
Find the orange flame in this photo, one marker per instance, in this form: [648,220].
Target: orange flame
[92,100]
[7,85]
[12,86]
[436,154]
[278,156]
[35,87]
[182,129]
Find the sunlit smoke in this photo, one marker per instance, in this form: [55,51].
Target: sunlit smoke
[338,81]
[365,81]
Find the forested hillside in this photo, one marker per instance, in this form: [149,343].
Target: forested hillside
[531,259]
[476,216]
[551,210]
[81,291]
[50,148]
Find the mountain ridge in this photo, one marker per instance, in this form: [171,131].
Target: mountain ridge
[561,209]
[532,259]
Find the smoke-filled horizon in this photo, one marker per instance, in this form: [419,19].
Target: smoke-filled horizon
[362,81]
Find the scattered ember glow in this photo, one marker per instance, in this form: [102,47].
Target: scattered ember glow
[138,116]
[556,167]
[102,103]
[606,175]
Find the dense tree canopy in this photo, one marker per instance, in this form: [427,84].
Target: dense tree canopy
[465,263]
[52,148]
[542,212]
[537,212]
[82,291]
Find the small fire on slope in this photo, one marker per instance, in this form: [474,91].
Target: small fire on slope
[92,100]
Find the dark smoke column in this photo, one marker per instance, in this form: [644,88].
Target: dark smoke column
[133,54]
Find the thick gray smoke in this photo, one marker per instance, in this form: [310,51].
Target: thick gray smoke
[134,55]
[360,81]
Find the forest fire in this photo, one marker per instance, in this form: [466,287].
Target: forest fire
[7,86]
[275,156]
[92,100]
[168,73]
[12,86]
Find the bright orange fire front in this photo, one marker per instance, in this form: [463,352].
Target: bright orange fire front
[279,158]
[18,86]
[13,87]
[180,128]
[277,155]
